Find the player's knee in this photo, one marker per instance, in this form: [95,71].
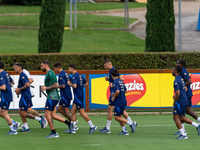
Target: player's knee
[59,109]
[116,118]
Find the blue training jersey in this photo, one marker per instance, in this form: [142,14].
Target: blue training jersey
[111,79]
[5,79]
[65,93]
[179,84]
[121,98]
[79,81]
[185,76]
[26,93]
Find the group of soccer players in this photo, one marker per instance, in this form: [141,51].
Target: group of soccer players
[182,100]
[117,101]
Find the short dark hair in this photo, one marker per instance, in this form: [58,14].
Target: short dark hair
[20,65]
[57,65]
[182,62]
[46,62]
[73,66]
[1,65]
[115,73]
[178,69]
[107,61]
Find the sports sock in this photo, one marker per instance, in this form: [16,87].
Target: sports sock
[124,128]
[108,124]
[67,122]
[26,125]
[183,126]
[129,123]
[182,131]
[198,119]
[129,119]
[194,124]
[13,122]
[53,131]
[38,118]
[90,124]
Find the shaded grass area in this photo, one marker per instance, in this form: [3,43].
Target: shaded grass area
[83,21]
[154,132]
[25,41]
[80,7]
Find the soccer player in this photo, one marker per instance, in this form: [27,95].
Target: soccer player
[78,82]
[6,97]
[119,97]
[34,114]
[25,102]
[51,87]
[65,92]
[180,103]
[108,66]
[187,79]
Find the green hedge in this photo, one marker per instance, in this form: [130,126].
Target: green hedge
[95,61]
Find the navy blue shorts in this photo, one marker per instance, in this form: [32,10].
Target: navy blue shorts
[179,109]
[51,104]
[189,101]
[111,103]
[65,103]
[118,111]
[25,104]
[79,103]
[5,105]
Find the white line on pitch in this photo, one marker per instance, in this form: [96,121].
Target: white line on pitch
[91,145]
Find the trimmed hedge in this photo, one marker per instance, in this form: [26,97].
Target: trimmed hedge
[95,61]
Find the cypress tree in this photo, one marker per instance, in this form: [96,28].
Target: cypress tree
[160,26]
[51,29]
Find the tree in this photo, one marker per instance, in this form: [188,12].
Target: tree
[51,29]
[160,29]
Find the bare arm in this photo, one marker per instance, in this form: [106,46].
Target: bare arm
[72,85]
[12,83]
[61,86]
[3,87]
[86,84]
[115,95]
[176,96]
[188,82]
[54,86]
[30,80]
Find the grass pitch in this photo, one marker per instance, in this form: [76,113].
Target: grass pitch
[154,132]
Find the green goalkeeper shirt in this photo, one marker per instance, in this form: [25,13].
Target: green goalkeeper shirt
[49,80]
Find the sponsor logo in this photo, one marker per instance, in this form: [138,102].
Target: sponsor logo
[136,88]
[195,86]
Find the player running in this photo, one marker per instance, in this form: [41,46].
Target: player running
[188,82]
[6,98]
[108,66]
[78,83]
[119,98]
[25,102]
[51,87]
[65,92]
[34,114]
[180,103]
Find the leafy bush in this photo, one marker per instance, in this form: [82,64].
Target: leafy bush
[95,61]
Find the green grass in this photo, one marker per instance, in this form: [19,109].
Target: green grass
[83,21]
[80,7]
[154,132]
[25,41]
